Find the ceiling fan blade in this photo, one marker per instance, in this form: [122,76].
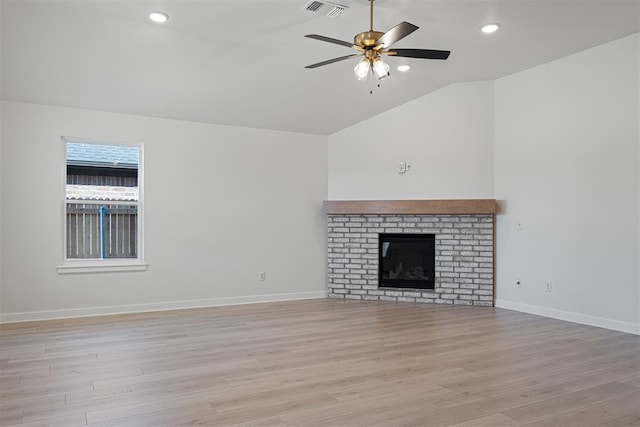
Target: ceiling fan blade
[395,34]
[419,53]
[331,61]
[329,40]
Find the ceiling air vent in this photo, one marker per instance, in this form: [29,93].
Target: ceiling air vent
[332,10]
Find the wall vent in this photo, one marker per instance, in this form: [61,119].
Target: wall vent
[331,10]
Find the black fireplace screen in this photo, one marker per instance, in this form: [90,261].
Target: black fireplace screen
[407,261]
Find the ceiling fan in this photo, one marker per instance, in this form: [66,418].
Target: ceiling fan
[372,45]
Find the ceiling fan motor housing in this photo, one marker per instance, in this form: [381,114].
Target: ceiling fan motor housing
[367,39]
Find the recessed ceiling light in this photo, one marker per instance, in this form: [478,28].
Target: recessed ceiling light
[158,17]
[403,68]
[489,28]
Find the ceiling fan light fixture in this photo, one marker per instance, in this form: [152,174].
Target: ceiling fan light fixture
[380,68]
[158,17]
[490,28]
[362,68]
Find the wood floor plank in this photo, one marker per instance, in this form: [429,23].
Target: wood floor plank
[559,405]
[172,416]
[626,421]
[359,412]
[318,362]
[70,420]
[254,411]
[632,379]
[597,414]
[495,420]
[265,422]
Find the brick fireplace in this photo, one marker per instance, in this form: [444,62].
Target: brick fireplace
[464,249]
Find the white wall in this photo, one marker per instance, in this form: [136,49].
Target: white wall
[1,199]
[221,203]
[446,136]
[567,167]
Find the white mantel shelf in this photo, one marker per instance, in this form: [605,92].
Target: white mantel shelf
[411,207]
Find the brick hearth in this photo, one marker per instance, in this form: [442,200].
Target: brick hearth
[464,267]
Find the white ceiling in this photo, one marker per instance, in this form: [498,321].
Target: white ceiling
[241,62]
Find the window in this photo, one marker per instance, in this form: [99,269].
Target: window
[102,207]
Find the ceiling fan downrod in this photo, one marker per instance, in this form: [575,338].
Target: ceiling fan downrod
[368,39]
[371,15]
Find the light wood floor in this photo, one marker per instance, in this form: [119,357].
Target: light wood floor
[319,362]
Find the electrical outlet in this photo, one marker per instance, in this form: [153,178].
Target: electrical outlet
[547,286]
[262,276]
[519,283]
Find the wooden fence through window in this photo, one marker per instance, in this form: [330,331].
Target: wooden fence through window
[101,231]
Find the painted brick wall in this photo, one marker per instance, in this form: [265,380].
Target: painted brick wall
[463,264]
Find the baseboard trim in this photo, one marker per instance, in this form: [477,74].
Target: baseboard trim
[31,316]
[569,316]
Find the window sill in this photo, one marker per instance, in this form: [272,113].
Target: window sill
[101,267]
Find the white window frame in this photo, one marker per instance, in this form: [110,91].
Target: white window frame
[94,265]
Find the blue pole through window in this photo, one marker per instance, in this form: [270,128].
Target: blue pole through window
[103,243]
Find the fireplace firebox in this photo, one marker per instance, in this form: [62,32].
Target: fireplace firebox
[406,261]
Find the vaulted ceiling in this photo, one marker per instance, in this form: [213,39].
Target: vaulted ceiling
[241,62]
